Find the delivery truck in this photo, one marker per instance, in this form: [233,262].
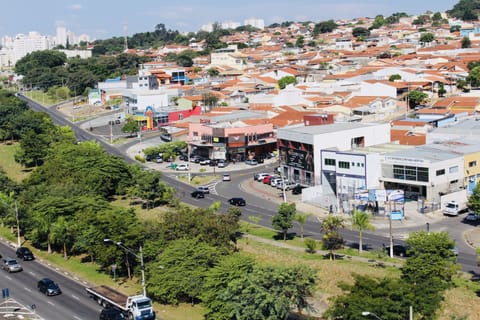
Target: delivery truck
[137,307]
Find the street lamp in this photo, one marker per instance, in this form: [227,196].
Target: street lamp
[368,313]
[138,256]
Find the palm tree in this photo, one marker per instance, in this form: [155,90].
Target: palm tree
[332,239]
[301,218]
[361,221]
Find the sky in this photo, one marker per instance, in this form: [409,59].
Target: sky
[102,19]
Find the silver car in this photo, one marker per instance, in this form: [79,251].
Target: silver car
[11,265]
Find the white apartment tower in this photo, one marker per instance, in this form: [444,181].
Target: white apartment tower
[61,36]
[257,23]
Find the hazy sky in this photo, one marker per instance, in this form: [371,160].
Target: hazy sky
[102,19]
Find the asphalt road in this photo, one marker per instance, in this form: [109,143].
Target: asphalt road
[73,303]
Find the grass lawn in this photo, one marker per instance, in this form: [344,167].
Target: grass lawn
[7,162]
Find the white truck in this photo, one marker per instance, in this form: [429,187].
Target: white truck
[133,307]
[454,204]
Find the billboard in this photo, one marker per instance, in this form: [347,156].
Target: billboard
[297,158]
[396,195]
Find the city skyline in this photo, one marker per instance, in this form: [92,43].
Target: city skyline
[106,19]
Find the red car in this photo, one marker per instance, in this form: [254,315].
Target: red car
[266,179]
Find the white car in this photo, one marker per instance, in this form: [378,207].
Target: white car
[251,162]
[226,177]
[182,167]
[276,181]
[204,189]
[260,176]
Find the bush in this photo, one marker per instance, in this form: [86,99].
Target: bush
[139,158]
[311,245]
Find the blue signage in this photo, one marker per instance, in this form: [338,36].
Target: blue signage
[396,215]
[5,293]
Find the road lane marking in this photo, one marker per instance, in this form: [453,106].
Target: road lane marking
[78,318]
[75,297]
[50,303]
[28,289]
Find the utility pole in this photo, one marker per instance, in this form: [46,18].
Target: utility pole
[18,225]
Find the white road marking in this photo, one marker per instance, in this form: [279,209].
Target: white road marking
[75,297]
[51,303]
[28,289]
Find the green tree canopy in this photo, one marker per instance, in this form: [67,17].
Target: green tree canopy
[331,239]
[324,27]
[178,274]
[283,82]
[388,298]
[283,220]
[427,37]
[416,97]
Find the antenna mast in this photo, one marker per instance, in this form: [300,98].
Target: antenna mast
[125,41]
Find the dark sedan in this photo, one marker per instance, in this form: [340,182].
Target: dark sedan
[25,254]
[48,287]
[237,202]
[197,194]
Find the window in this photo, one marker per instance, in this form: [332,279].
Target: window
[344,164]
[330,162]
[180,116]
[353,164]
[410,173]
[440,172]
[472,164]
[453,169]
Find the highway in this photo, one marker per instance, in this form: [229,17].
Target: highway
[73,303]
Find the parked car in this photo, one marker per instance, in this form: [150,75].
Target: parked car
[158,159]
[48,287]
[221,163]
[25,254]
[266,179]
[275,181]
[237,201]
[226,177]
[297,189]
[111,314]
[182,167]
[289,185]
[251,162]
[260,176]
[259,159]
[471,217]
[204,189]
[197,194]
[204,162]
[11,265]
[398,250]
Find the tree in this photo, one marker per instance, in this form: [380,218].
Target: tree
[441,90]
[388,298]
[416,97]
[474,76]
[394,77]
[360,32]
[324,27]
[474,200]
[361,221]
[301,219]
[332,239]
[283,82]
[465,10]
[429,269]
[300,42]
[466,43]
[130,127]
[256,292]
[427,37]
[209,99]
[283,220]
[184,265]
[378,22]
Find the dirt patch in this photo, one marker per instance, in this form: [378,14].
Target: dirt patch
[81,110]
